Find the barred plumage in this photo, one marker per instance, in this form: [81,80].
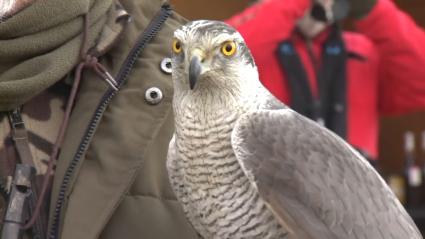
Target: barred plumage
[216,195]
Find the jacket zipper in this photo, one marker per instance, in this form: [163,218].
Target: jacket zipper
[147,35]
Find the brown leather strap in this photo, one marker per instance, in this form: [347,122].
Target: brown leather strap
[20,137]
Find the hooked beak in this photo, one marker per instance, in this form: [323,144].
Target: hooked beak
[195,67]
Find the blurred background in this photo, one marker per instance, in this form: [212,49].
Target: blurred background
[401,139]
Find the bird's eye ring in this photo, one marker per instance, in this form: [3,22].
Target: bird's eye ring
[228,48]
[177,46]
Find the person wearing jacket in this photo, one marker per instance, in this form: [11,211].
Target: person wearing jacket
[344,80]
[109,140]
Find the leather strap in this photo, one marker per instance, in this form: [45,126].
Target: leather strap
[20,137]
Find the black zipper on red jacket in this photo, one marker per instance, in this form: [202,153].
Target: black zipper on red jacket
[147,35]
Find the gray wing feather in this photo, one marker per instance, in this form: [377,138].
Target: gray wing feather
[316,185]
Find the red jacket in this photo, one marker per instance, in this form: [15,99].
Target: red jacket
[391,80]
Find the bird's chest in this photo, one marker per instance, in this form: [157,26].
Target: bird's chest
[207,163]
[216,195]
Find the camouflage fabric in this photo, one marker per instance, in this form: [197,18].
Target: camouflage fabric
[42,117]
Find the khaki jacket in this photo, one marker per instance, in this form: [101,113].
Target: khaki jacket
[111,179]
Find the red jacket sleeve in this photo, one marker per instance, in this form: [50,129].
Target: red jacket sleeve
[269,21]
[401,47]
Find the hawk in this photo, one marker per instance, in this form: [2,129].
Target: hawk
[244,165]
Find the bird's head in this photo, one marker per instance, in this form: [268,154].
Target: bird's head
[211,55]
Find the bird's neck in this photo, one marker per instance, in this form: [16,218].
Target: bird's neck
[214,99]
[204,106]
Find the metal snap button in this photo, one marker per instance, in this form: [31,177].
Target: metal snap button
[166,65]
[153,95]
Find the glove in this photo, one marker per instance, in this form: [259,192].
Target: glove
[360,8]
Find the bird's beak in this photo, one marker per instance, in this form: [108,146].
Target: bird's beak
[195,67]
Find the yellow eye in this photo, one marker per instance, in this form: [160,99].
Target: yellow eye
[228,48]
[177,46]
